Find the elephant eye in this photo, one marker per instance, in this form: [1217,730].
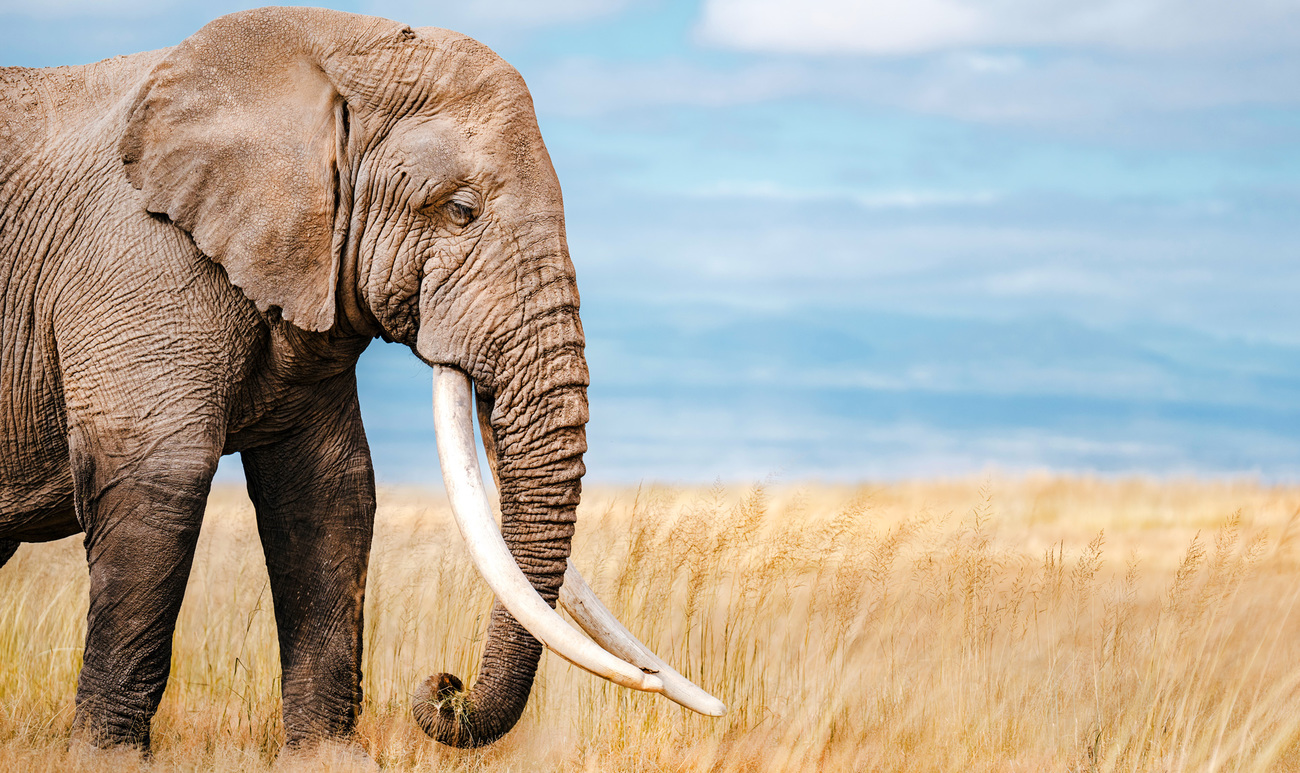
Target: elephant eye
[460,213]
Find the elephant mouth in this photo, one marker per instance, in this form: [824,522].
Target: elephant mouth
[612,652]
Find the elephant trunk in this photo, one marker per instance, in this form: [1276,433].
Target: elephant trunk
[536,440]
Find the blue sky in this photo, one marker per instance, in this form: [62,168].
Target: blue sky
[883,238]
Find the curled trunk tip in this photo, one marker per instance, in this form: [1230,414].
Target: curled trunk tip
[442,709]
[452,715]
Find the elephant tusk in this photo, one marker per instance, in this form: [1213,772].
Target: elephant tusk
[453,422]
[595,618]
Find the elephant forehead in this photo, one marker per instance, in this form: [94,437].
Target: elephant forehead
[453,74]
[431,147]
[503,159]
[465,81]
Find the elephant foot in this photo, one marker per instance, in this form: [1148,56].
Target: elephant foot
[327,754]
[7,548]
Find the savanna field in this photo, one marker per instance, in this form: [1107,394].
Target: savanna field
[1030,624]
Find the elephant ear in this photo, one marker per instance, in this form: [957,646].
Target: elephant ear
[236,137]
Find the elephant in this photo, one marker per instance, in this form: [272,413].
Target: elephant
[196,245]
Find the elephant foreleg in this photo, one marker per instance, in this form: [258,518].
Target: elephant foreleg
[314,493]
[141,516]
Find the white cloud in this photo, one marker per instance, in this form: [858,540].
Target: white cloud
[885,27]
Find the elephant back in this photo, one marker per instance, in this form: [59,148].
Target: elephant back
[52,111]
[22,117]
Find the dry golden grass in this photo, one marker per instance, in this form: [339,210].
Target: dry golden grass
[1005,625]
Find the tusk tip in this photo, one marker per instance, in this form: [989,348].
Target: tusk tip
[700,702]
[715,708]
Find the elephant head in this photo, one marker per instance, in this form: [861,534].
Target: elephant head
[358,177]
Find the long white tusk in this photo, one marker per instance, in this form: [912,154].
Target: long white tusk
[600,624]
[452,407]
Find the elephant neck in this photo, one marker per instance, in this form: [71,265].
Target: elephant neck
[304,356]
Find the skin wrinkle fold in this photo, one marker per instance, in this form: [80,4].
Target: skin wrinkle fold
[351,288]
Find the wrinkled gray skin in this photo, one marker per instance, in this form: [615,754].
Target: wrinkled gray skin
[196,244]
